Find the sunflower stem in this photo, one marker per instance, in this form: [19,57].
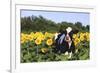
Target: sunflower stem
[50,50]
[37,51]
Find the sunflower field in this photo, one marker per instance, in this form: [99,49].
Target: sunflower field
[38,46]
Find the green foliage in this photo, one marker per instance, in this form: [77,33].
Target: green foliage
[28,54]
[33,23]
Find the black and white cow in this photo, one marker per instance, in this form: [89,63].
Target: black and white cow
[64,42]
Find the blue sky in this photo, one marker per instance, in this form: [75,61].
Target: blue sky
[59,16]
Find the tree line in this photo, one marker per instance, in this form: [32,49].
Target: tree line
[34,23]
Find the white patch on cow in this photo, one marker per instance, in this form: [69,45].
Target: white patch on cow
[70,43]
[76,51]
[70,55]
[66,53]
[56,36]
[69,29]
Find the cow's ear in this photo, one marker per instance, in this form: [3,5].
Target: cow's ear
[75,31]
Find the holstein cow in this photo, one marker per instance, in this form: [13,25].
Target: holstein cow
[64,42]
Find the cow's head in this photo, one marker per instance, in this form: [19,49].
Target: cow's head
[70,33]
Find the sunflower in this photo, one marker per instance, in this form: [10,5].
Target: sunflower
[82,37]
[38,41]
[74,36]
[42,37]
[44,50]
[49,42]
[30,37]
[87,35]
[76,41]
